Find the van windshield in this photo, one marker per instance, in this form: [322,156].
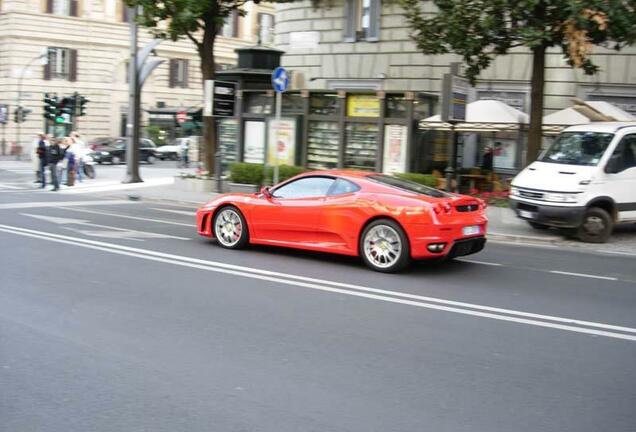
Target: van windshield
[578,148]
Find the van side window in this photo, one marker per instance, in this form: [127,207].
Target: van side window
[626,153]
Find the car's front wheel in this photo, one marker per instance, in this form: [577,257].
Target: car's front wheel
[116,160]
[596,226]
[384,246]
[151,159]
[230,228]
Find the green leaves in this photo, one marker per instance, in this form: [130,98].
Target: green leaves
[480,30]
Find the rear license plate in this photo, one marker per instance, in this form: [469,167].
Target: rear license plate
[526,214]
[471,230]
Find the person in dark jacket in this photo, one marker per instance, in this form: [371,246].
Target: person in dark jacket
[55,155]
[42,156]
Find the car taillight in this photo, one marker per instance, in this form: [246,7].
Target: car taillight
[440,208]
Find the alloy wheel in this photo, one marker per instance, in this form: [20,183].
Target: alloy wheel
[382,246]
[228,227]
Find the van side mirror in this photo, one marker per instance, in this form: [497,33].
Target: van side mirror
[266,192]
[614,164]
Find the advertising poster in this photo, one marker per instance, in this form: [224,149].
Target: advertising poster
[504,153]
[394,149]
[281,142]
[363,106]
[254,150]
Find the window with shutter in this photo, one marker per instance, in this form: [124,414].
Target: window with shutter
[62,64]
[362,20]
[62,7]
[266,28]
[179,73]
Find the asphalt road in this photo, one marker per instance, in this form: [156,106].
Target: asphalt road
[115,316]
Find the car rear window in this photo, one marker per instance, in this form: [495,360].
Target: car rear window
[407,185]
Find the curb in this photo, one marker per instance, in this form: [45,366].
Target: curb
[524,239]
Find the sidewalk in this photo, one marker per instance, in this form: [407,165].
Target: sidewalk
[504,226]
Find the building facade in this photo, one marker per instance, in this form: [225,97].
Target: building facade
[87,46]
[360,49]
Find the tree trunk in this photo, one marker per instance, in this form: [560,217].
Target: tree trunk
[536,106]
[206,54]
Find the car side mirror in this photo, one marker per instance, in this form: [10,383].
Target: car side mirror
[614,164]
[266,192]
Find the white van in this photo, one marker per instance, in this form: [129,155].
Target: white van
[585,180]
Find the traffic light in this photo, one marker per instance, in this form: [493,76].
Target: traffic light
[80,104]
[66,109]
[20,114]
[50,106]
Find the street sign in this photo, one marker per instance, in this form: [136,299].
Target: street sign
[181,117]
[280,79]
[454,98]
[220,98]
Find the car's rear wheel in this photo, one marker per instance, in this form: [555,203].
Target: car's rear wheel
[384,246]
[116,160]
[151,159]
[230,228]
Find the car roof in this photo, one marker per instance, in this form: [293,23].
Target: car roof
[607,127]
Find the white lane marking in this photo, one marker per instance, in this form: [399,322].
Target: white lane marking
[132,217]
[127,233]
[120,186]
[180,212]
[6,186]
[583,275]
[24,205]
[573,325]
[479,262]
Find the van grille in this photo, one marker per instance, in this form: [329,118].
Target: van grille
[531,194]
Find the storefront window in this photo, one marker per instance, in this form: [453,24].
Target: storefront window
[257,103]
[322,145]
[292,103]
[424,107]
[324,104]
[361,146]
[396,106]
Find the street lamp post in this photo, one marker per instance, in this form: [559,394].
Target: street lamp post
[138,71]
[18,129]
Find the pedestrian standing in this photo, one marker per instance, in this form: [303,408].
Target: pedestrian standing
[41,151]
[54,156]
[79,150]
[71,162]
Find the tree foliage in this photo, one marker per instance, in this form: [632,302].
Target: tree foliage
[480,30]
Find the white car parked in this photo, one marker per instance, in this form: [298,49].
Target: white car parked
[586,180]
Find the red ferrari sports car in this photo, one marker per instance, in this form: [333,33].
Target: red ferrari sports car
[385,220]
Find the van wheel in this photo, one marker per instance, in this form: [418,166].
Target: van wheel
[596,226]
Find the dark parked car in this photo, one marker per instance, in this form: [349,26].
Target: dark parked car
[113,150]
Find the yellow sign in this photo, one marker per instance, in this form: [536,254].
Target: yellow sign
[363,106]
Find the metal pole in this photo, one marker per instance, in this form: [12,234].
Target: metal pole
[279,104]
[218,162]
[132,127]
[450,170]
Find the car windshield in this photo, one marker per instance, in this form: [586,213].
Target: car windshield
[578,148]
[408,186]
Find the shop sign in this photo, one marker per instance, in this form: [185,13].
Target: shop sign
[220,98]
[281,143]
[363,106]
[454,98]
[395,141]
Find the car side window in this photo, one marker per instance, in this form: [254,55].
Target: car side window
[625,153]
[342,186]
[306,187]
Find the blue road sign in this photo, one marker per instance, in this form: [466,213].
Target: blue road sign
[280,79]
